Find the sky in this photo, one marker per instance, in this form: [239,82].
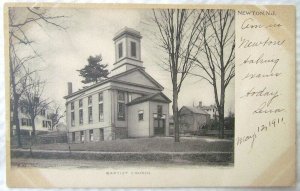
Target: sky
[90,32]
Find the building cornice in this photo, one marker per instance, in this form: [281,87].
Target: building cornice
[114,79]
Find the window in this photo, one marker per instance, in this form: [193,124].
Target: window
[90,114]
[72,105]
[44,123]
[90,100]
[72,118]
[29,122]
[129,97]
[48,124]
[101,116]
[120,50]
[73,136]
[141,115]
[133,49]
[100,97]
[80,117]
[159,111]
[90,109]
[43,112]
[24,122]
[80,103]
[81,136]
[121,105]
[91,135]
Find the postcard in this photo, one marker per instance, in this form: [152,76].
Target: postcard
[136,95]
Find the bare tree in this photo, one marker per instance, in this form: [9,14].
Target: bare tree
[56,115]
[18,85]
[179,31]
[33,98]
[216,59]
[18,37]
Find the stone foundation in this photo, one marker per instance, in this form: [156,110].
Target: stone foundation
[99,134]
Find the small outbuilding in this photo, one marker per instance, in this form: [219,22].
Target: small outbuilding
[193,119]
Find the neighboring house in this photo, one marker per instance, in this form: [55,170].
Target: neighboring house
[130,103]
[212,110]
[42,122]
[192,119]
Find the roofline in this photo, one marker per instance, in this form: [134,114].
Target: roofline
[129,31]
[149,99]
[134,84]
[142,67]
[116,76]
[129,59]
[87,88]
[192,111]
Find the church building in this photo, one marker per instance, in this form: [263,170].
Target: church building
[129,103]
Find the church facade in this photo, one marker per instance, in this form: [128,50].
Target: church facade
[129,103]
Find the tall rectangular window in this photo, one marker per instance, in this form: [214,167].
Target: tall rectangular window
[73,136]
[120,50]
[80,116]
[133,49]
[44,123]
[72,105]
[80,103]
[43,112]
[100,97]
[80,112]
[101,116]
[121,105]
[91,133]
[81,136]
[90,112]
[24,122]
[129,97]
[159,111]
[90,100]
[29,122]
[90,109]
[72,118]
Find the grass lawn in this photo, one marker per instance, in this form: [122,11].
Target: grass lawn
[156,144]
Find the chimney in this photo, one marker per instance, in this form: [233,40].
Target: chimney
[200,104]
[69,88]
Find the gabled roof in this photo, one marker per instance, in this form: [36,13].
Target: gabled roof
[195,110]
[142,71]
[115,79]
[159,97]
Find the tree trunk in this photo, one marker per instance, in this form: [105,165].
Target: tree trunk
[16,98]
[221,122]
[33,127]
[16,120]
[222,93]
[175,113]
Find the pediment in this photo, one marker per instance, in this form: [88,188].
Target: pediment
[138,77]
